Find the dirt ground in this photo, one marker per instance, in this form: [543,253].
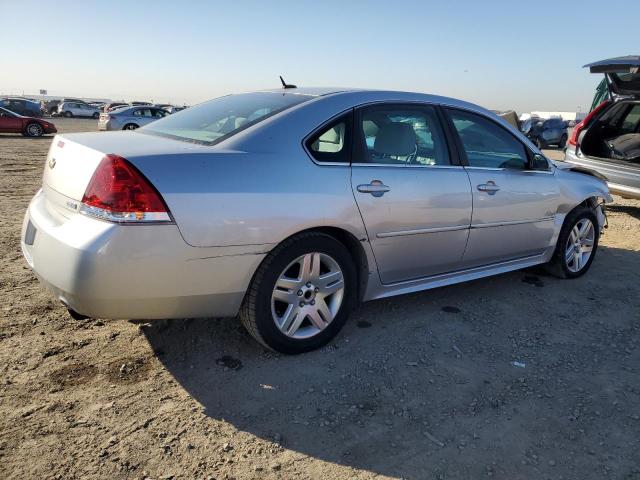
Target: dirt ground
[421,386]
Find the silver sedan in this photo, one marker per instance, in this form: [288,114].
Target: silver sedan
[130,117]
[288,207]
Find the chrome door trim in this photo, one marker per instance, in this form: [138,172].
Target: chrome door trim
[419,231]
[514,222]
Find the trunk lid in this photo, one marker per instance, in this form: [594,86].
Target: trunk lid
[621,73]
[73,158]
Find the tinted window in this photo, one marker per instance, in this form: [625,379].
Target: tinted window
[631,122]
[487,144]
[404,135]
[332,143]
[219,119]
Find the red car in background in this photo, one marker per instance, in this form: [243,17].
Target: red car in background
[11,122]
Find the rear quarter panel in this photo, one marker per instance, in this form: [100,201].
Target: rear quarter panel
[239,198]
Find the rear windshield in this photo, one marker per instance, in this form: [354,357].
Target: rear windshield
[214,121]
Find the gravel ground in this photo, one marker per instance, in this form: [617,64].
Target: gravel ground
[418,386]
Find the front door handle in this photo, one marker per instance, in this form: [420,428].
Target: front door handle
[375,188]
[490,187]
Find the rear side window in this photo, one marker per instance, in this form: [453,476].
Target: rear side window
[214,121]
[631,122]
[486,144]
[402,135]
[332,143]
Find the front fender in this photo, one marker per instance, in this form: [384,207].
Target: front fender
[582,188]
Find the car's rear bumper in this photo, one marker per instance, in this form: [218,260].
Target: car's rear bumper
[621,179]
[104,270]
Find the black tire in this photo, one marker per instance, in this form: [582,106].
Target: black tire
[96,116]
[67,114]
[34,130]
[130,126]
[563,141]
[255,312]
[558,264]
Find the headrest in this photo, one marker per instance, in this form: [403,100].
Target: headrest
[395,139]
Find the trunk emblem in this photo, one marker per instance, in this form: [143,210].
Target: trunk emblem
[52,163]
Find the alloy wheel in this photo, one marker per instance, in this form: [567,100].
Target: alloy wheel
[34,130]
[579,245]
[307,295]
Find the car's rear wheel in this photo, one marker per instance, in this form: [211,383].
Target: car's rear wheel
[563,141]
[301,294]
[577,244]
[68,114]
[34,130]
[96,115]
[130,126]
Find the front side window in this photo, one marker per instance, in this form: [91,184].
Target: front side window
[486,144]
[402,135]
[219,119]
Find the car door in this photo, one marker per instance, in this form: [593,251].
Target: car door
[9,122]
[514,205]
[414,200]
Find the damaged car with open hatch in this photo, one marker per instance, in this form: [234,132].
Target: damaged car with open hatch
[288,207]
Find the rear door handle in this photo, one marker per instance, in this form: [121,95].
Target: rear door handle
[375,188]
[490,187]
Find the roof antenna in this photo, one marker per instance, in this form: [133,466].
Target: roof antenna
[286,85]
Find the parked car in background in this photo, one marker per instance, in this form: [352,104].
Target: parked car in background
[75,109]
[49,107]
[141,103]
[109,107]
[542,133]
[608,139]
[287,207]
[130,118]
[22,106]
[11,122]
[174,109]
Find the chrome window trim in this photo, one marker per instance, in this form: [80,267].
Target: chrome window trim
[391,165]
[496,169]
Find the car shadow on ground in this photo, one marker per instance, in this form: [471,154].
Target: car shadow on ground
[628,209]
[10,135]
[425,384]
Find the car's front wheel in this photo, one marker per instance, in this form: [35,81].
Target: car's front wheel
[34,130]
[68,114]
[130,126]
[301,294]
[577,244]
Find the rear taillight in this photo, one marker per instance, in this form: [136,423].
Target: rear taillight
[118,192]
[575,135]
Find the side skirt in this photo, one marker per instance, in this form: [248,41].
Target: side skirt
[377,290]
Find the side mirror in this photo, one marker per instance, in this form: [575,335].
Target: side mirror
[538,162]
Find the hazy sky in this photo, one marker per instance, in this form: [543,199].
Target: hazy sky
[525,55]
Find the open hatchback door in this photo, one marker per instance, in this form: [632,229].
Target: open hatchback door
[622,74]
